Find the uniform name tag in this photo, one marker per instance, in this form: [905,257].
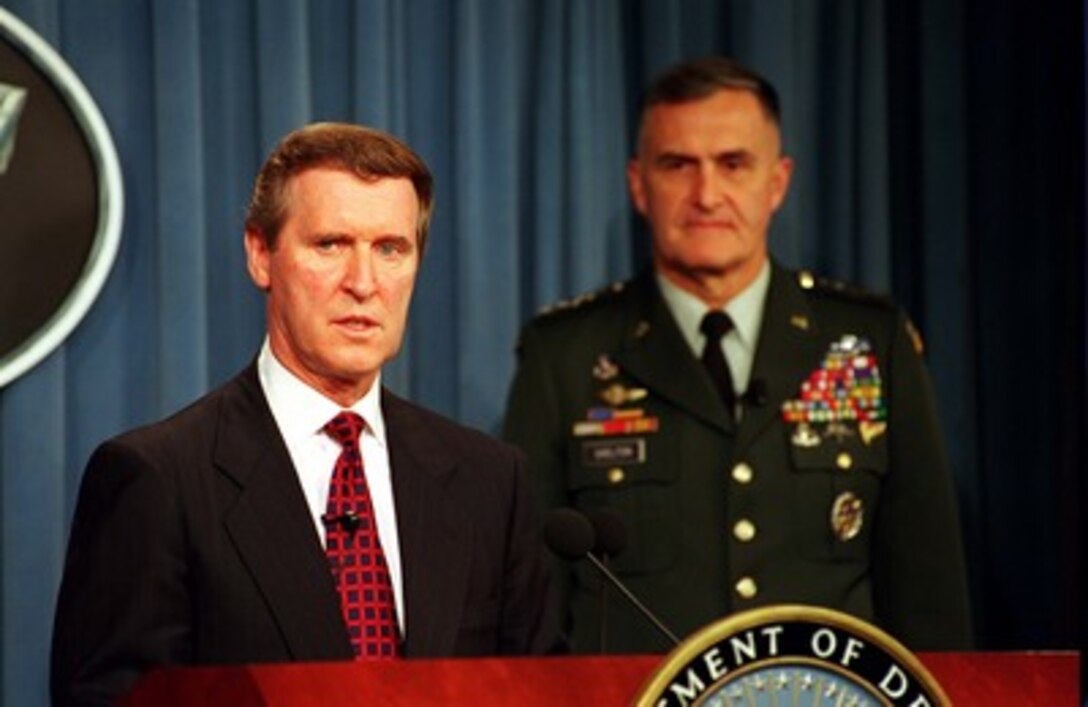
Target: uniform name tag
[610,452]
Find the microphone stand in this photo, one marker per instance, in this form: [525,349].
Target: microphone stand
[604,607]
[632,598]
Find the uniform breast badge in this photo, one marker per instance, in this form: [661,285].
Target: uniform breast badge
[614,418]
[840,397]
[605,369]
[613,434]
[847,516]
[618,394]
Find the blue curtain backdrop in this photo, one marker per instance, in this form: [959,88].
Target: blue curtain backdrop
[939,157]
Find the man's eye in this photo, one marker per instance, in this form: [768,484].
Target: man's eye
[673,164]
[391,247]
[732,163]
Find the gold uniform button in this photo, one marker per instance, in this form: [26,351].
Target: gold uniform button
[844,461]
[616,475]
[746,587]
[742,473]
[744,530]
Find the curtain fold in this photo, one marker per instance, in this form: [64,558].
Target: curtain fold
[181,262]
[525,110]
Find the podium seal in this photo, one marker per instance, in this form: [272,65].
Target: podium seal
[61,200]
[790,655]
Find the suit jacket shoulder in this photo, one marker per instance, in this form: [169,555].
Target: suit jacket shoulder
[475,581]
[193,429]
[195,530]
[439,434]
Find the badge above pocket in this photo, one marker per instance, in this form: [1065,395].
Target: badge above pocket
[613,439]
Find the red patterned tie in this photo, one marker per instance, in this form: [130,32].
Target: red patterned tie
[354,550]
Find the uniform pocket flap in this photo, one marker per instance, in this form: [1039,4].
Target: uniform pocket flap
[842,452]
[615,462]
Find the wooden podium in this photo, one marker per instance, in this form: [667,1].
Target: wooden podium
[1028,678]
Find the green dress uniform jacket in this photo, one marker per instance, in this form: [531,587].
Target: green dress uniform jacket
[614,410]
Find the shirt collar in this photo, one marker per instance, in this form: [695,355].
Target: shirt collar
[746,310]
[301,411]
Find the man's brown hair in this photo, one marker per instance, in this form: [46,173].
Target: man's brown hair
[365,152]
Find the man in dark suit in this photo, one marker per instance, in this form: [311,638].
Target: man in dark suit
[220,535]
[768,437]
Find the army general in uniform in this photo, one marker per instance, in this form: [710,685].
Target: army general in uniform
[766,436]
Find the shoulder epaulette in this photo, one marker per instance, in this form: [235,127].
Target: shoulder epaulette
[825,286]
[915,337]
[582,300]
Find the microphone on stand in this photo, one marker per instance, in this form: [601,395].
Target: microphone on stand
[570,534]
[610,531]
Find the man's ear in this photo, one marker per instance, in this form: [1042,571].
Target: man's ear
[258,256]
[782,173]
[635,185]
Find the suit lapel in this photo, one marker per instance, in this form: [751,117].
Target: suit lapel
[655,354]
[271,527]
[789,348]
[434,546]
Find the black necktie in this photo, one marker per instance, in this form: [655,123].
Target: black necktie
[715,325]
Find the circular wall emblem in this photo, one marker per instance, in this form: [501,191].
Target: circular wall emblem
[791,655]
[61,199]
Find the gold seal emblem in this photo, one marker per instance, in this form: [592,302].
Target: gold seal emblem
[789,654]
[847,516]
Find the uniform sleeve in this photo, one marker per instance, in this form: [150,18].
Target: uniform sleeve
[533,420]
[920,586]
[534,423]
[123,606]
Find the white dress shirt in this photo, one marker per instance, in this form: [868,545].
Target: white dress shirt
[746,311]
[301,414]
